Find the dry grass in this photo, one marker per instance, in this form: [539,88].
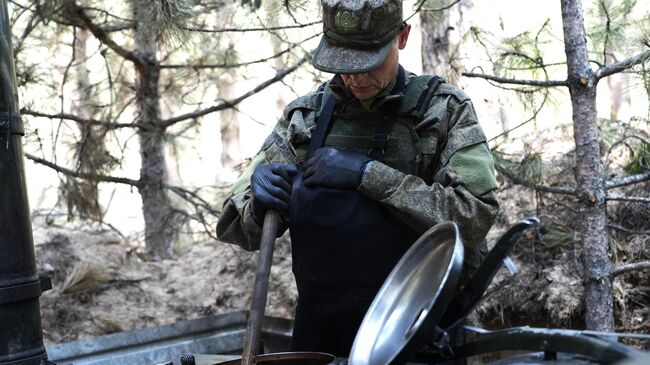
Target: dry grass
[109,325]
[84,278]
[548,291]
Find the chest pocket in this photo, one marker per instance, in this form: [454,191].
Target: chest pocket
[402,151]
[405,156]
[359,143]
[417,98]
[429,158]
[409,151]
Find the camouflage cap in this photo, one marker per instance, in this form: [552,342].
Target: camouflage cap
[357,34]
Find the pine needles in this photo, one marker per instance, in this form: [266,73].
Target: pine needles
[166,21]
[640,161]
[609,21]
[530,167]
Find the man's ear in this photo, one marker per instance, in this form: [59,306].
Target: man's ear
[404,36]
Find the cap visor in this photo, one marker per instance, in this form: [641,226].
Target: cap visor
[338,59]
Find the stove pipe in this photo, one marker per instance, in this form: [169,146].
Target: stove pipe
[21,338]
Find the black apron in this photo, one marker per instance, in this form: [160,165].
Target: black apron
[344,245]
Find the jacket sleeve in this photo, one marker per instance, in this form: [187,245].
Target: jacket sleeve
[236,224]
[463,187]
[286,144]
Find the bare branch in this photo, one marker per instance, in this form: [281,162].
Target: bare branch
[623,65]
[195,199]
[120,24]
[643,265]
[532,117]
[118,27]
[288,9]
[102,35]
[241,64]
[539,187]
[77,119]
[32,23]
[445,7]
[503,80]
[420,4]
[626,230]
[199,203]
[93,177]
[628,180]
[636,199]
[229,104]
[608,29]
[244,30]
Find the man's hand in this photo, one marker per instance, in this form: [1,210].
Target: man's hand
[337,168]
[271,188]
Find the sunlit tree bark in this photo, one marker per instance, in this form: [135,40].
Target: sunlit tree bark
[159,216]
[441,29]
[589,171]
[82,196]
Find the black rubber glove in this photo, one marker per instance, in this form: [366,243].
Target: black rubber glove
[271,188]
[337,168]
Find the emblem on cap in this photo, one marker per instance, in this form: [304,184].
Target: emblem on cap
[346,22]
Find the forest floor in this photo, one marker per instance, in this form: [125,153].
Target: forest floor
[101,285]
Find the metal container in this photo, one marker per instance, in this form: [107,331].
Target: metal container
[410,304]
[289,358]
[21,339]
[405,311]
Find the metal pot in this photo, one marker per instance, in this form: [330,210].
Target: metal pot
[412,300]
[289,358]
[405,311]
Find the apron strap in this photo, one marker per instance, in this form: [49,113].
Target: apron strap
[322,127]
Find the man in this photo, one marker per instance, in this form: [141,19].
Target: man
[359,169]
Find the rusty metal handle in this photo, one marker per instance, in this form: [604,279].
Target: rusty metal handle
[258,304]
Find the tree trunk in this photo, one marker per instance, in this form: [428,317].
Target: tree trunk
[279,62]
[229,126]
[82,195]
[618,86]
[438,42]
[159,217]
[589,171]
[435,30]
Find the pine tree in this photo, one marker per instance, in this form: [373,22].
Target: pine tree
[592,190]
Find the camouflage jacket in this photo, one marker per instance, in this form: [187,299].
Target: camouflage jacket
[437,165]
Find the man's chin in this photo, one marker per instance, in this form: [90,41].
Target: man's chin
[365,95]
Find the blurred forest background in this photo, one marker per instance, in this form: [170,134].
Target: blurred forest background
[139,116]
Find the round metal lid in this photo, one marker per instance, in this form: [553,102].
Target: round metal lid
[412,300]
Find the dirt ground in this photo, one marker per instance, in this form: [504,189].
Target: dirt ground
[102,286]
[548,289]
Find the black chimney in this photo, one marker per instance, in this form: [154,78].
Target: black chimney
[21,338]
